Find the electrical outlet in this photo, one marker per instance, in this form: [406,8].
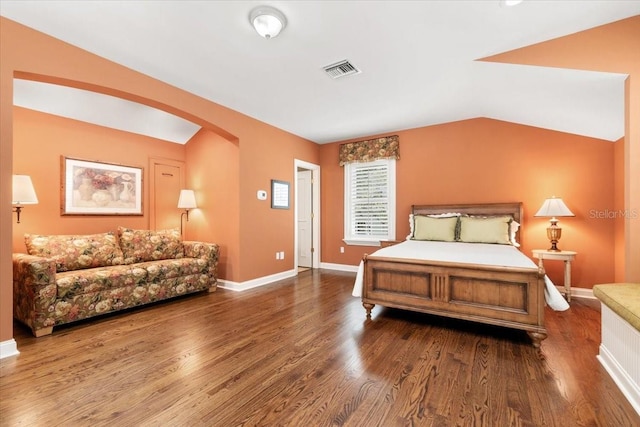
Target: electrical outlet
[282,255]
[341,249]
[277,255]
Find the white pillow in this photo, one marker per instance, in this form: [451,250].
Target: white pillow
[429,228]
[485,230]
[410,236]
[513,229]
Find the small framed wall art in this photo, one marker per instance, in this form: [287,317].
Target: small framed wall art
[279,194]
[98,188]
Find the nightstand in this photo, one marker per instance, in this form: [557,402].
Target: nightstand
[566,256]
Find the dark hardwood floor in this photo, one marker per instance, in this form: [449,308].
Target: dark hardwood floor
[300,352]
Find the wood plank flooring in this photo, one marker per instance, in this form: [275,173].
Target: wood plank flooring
[300,352]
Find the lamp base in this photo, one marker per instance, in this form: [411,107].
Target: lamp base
[17,210]
[554,247]
[553,234]
[186,212]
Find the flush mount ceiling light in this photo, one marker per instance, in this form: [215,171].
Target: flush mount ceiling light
[267,21]
[509,3]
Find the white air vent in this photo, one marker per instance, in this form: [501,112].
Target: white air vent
[341,69]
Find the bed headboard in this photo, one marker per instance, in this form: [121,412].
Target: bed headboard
[484,209]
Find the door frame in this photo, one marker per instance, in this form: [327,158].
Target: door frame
[153,161]
[315,209]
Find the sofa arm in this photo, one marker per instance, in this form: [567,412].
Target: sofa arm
[210,252]
[34,290]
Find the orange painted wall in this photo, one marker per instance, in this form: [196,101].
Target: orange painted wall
[264,152]
[484,160]
[39,141]
[214,167]
[272,157]
[610,48]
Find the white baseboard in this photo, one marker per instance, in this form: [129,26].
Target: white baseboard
[579,292]
[339,267]
[8,348]
[627,386]
[619,349]
[254,283]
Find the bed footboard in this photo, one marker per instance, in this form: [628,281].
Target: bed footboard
[502,296]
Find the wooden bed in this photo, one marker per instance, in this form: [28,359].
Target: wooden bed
[503,296]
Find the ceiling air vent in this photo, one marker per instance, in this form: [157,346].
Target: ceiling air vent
[341,69]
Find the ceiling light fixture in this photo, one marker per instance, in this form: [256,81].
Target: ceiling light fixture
[267,21]
[509,3]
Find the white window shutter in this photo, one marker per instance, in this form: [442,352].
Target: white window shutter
[370,202]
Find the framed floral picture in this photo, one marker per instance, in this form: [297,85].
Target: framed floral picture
[97,188]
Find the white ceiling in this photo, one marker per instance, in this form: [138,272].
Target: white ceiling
[101,109]
[418,62]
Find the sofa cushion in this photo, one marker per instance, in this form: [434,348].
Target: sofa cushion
[74,252]
[149,245]
[73,283]
[172,268]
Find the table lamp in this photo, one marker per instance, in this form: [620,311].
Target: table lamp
[553,208]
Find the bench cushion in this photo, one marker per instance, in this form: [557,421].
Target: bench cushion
[623,299]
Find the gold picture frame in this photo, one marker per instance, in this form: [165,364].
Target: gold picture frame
[99,188]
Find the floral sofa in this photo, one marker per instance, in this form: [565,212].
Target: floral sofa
[64,278]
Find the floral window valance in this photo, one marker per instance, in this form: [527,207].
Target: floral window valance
[387,147]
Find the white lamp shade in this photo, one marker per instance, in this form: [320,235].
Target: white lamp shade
[267,21]
[23,191]
[554,207]
[187,200]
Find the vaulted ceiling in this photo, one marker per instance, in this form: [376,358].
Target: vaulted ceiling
[419,63]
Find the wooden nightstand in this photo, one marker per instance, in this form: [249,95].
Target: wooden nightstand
[566,256]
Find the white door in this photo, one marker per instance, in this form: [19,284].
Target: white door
[305,229]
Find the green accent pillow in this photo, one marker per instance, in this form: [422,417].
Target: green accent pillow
[440,229]
[485,230]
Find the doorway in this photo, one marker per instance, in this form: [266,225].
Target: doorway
[167,179]
[307,215]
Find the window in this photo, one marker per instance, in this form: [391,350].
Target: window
[370,202]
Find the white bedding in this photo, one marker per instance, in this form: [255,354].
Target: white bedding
[471,253]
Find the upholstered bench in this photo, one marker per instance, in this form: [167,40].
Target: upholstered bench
[620,345]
